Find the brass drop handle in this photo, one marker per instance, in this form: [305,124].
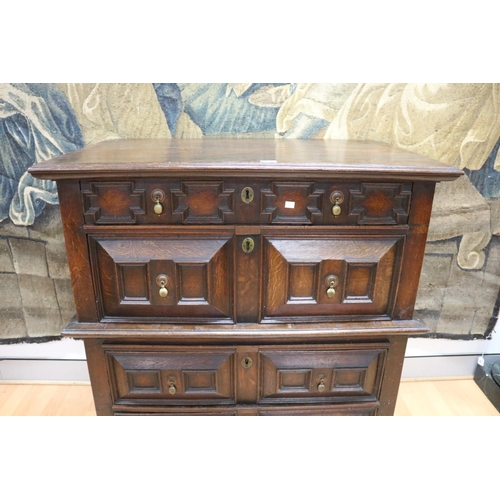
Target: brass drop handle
[158,207]
[321,385]
[331,282]
[336,198]
[158,196]
[172,390]
[162,281]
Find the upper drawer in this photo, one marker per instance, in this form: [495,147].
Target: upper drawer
[178,277]
[329,277]
[236,201]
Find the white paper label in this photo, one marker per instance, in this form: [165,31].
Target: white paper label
[480,361]
[289,204]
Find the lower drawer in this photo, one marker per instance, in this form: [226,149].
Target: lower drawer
[366,409]
[166,376]
[321,374]
[159,376]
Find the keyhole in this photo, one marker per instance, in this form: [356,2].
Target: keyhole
[247,195]
[247,245]
[246,362]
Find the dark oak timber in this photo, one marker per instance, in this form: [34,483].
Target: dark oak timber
[245,276]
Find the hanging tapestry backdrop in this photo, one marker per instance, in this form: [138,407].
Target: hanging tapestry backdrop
[457,124]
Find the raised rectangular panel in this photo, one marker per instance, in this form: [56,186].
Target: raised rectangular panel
[134,283]
[360,281]
[294,381]
[303,283]
[200,381]
[144,381]
[193,283]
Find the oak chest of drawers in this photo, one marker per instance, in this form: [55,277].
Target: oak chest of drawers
[245,276]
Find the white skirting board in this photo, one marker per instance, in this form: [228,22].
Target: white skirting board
[50,370]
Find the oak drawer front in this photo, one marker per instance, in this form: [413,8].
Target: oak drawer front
[251,201]
[321,376]
[332,203]
[159,201]
[163,377]
[354,410]
[332,410]
[330,277]
[175,278]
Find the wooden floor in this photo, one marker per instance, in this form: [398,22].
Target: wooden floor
[416,398]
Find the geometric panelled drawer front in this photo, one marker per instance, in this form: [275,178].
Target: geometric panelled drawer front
[168,278]
[220,202]
[171,378]
[330,276]
[331,375]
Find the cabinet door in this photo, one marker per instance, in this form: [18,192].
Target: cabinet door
[325,278]
[173,278]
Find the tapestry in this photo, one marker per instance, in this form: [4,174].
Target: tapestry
[458,124]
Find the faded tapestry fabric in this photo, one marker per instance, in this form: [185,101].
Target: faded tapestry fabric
[457,124]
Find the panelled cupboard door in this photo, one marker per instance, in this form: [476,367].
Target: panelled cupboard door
[168,278]
[330,276]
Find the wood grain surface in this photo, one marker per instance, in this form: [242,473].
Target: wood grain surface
[209,157]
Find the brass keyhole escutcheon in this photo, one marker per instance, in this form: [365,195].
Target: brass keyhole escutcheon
[247,195]
[247,362]
[337,197]
[162,282]
[321,385]
[248,245]
[331,282]
[172,389]
[158,196]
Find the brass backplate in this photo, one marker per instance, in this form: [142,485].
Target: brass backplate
[247,195]
[247,362]
[248,245]
[158,195]
[162,280]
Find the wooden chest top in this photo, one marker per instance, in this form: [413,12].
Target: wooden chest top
[242,157]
